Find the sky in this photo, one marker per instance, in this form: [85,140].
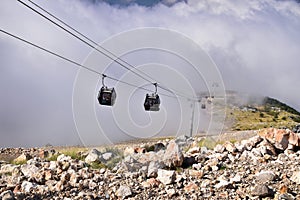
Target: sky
[255,45]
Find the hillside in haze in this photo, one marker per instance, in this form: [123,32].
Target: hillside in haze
[252,113]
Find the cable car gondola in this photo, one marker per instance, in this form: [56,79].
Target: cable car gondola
[152,101]
[107,96]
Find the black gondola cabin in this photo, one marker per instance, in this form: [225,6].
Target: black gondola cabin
[107,96]
[152,102]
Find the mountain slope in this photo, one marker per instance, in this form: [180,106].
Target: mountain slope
[269,112]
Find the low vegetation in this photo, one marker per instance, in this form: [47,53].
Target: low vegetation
[271,113]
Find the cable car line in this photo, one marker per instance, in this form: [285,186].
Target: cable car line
[87,38]
[78,64]
[116,59]
[90,45]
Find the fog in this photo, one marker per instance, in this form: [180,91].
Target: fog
[254,44]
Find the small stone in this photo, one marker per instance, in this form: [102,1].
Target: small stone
[296,177]
[173,156]
[7,195]
[194,150]
[214,168]
[93,156]
[29,170]
[107,156]
[102,170]
[153,168]
[27,186]
[203,150]
[191,187]
[236,179]
[197,166]
[22,158]
[171,192]
[43,153]
[222,184]
[151,182]
[286,196]
[229,147]
[265,176]
[128,151]
[283,189]
[262,191]
[196,173]
[63,158]
[166,176]
[7,169]
[124,191]
[219,148]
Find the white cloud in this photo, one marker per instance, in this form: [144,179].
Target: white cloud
[255,44]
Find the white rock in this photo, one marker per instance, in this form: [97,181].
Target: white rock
[166,176]
[171,192]
[93,156]
[7,195]
[214,168]
[52,165]
[9,168]
[265,176]
[27,186]
[197,166]
[123,191]
[219,148]
[128,151]
[203,150]
[222,183]
[236,179]
[63,158]
[29,170]
[107,156]
[296,177]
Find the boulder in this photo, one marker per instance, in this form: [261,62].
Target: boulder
[219,148]
[166,176]
[29,171]
[123,192]
[107,156]
[280,138]
[296,177]
[173,157]
[7,195]
[222,184]
[7,169]
[262,191]
[128,151]
[191,187]
[153,168]
[230,147]
[27,186]
[22,158]
[93,156]
[265,176]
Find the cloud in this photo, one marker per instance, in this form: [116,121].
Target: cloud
[254,43]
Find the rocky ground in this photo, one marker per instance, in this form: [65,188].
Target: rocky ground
[265,166]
